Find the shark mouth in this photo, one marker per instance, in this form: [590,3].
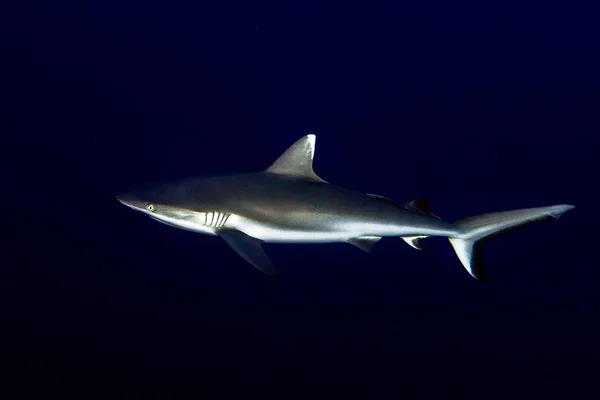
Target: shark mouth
[163,222]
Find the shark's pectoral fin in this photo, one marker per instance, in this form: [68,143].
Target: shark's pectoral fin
[249,248]
[365,243]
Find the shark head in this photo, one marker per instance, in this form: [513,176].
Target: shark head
[168,203]
[152,199]
[205,204]
[142,202]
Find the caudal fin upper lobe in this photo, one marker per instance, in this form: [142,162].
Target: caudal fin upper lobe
[476,230]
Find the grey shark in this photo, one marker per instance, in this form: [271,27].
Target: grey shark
[289,202]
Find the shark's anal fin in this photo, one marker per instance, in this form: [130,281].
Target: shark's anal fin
[297,160]
[414,241]
[365,243]
[249,248]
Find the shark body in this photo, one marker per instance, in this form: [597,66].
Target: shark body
[288,202]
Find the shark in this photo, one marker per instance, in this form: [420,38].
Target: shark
[289,203]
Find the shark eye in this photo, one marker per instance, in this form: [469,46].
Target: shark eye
[150,207]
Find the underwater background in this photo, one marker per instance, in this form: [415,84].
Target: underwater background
[479,107]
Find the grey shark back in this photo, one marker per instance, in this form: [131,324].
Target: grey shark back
[289,202]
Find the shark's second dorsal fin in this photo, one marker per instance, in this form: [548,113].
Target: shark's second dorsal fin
[297,160]
[421,206]
[384,199]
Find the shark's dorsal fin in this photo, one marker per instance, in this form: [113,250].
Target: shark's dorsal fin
[297,160]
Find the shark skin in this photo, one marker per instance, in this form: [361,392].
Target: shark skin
[289,203]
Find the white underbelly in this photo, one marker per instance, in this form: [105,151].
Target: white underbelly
[211,223]
[270,233]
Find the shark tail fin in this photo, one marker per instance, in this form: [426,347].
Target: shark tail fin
[477,230]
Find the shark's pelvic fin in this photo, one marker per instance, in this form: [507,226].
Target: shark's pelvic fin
[297,160]
[249,248]
[478,229]
[365,243]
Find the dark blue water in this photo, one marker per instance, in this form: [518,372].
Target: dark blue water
[477,107]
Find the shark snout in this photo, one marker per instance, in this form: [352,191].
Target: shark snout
[130,200]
